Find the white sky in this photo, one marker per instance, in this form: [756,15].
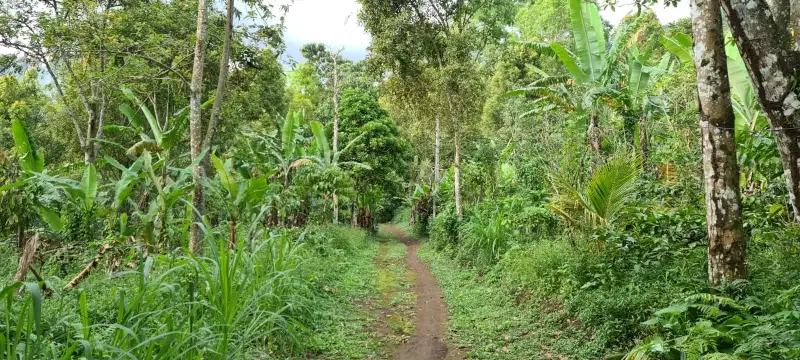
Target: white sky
[335,23]
[331,22]
[665,14]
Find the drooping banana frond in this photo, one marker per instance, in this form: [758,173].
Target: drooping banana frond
[541,48]
[680,46]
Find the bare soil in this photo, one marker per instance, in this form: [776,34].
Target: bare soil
[428,341]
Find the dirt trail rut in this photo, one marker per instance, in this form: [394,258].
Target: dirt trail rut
[427,343]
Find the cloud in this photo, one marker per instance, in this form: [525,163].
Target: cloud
[331,22]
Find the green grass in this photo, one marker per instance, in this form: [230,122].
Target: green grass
[344,323]
[492,323]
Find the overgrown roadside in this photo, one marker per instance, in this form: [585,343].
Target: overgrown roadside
[344,321]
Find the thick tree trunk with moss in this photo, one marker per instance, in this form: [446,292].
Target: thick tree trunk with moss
[196,128]
[767,57]
[727,251]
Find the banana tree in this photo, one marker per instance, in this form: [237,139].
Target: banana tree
[161,137]
[594,69]
[277,154]
[327,159]
[20,193]
[638,102]
[243,196]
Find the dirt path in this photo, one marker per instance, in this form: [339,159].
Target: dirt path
[427,342]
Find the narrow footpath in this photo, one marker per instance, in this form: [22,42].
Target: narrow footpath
[427,342]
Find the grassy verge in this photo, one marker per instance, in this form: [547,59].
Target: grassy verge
[343,322]
[367,299]
[492,323]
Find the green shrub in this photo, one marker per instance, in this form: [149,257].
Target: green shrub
[542,269]
[486,239]
[708,326]
[444,228]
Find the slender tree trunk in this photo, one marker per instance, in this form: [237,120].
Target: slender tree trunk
[91,128]
[224,63]
[232,232]
[643,140]
[758,38]
[727,251]
[354,214]
[196,128]
[457,177]
[436,146]
[593,133]
[335,128]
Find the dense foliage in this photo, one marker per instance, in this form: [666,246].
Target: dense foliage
[155,204]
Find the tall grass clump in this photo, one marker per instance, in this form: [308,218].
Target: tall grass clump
[242,302]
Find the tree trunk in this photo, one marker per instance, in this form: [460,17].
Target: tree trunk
[436,147]
[335,128]
[196,128]
[643,140]
[232,232]
[222,81]
[88,150]
[593,133]
[26,258]
[354,214]
[457,178]
[727,251]
[758,38]
[780,15]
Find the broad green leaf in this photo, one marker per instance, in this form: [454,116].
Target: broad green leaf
[179,124]
[288,133]
[322,141]
[89,185]
[590,43]
[151,119]
[30,160]
[570,63]
[52,219]
[737,73]
[225,178]
[637,77]
[131,114]
[680,46]
[124,186]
